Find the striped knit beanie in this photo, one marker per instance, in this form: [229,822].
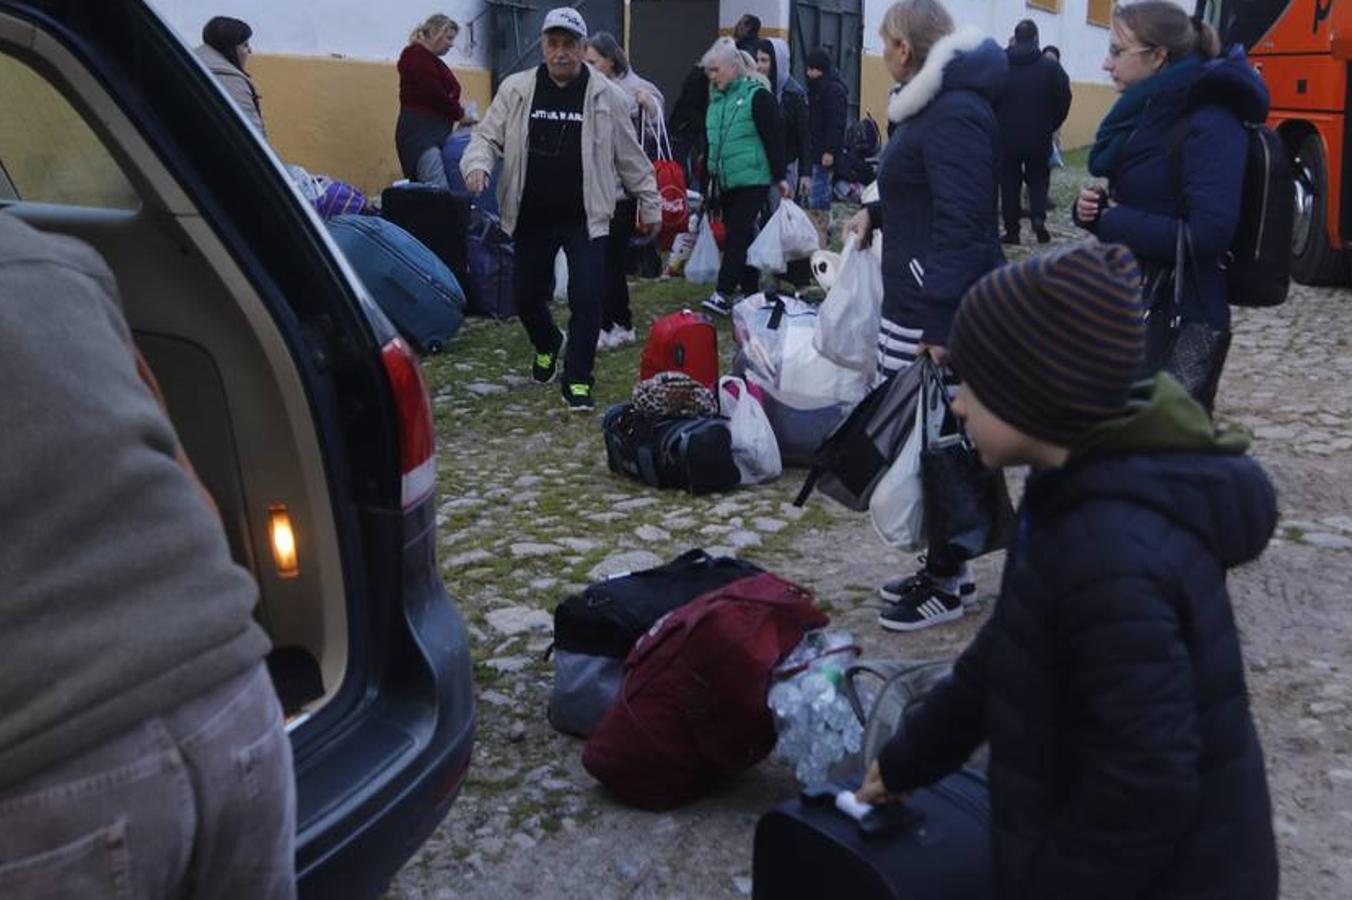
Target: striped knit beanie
[1053,344]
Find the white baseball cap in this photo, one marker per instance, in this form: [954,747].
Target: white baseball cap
[565,18]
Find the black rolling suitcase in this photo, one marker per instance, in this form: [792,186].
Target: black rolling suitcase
[438,218]
[936,847]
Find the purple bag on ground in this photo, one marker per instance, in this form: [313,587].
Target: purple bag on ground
[338,199]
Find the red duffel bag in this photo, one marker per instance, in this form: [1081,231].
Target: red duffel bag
[692,709]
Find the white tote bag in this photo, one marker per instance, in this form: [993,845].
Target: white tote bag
[702,267]
[754,448]
[897,507]
[847,331]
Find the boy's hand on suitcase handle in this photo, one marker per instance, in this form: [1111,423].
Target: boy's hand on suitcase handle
[476,181]
[874,792]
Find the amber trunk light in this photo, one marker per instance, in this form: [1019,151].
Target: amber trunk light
[283,538]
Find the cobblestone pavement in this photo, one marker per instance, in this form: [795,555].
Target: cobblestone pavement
[529,512]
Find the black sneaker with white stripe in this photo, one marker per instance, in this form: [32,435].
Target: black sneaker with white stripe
[923,605]
[894,591]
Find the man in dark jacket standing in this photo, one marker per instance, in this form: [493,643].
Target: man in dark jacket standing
[828,105]
[1109,680]
[1035,103]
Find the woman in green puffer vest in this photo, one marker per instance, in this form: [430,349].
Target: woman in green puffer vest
[745,156]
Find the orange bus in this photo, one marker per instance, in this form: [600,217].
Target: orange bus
[1303,50]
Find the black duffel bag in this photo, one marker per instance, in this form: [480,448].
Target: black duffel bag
[694,454]
[595,630]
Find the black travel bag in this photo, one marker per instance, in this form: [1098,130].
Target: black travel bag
[440,219]
[595,630]
[934,847]
[694,454]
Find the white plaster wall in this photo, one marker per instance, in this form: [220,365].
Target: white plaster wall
[1082,45]
[360,29]
[772,13]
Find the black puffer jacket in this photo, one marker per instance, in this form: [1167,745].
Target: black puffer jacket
[828,107]
[1035,102]
[1123,759]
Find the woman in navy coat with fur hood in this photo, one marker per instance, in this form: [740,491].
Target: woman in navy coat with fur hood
[937,179]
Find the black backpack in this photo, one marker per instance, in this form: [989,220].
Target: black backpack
[1258,264]
[860,150]
[863,137]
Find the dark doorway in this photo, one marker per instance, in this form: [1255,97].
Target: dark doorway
[667,39]
[515,26]
[836,26]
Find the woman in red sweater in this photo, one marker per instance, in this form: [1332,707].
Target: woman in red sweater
[429,100]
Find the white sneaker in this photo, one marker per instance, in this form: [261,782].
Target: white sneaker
[605,340]
[621,337]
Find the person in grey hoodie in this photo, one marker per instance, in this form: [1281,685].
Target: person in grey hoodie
[142,749]
[605,54]
[772,61]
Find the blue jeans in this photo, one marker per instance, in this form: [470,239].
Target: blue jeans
[820,197]
[537,243]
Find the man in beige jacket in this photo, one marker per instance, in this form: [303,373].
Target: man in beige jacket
[562,132]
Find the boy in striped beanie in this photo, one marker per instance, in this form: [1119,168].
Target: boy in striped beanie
[1109,679]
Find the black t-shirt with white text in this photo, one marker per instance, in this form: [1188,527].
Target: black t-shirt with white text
[554,156]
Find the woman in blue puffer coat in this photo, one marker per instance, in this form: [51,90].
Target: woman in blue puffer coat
[1173,149]
[937,179]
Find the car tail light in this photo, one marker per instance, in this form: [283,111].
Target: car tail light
[417,436]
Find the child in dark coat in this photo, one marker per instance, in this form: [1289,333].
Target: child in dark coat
[1109,679]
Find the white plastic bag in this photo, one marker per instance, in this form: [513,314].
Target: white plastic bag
[778,349]
[897,507]
[847,330]
[311,186]
[798,236]
[561,277]
[754,448]
[789,234]
[702,267]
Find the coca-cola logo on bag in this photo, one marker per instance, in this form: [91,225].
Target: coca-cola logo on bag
[673,200]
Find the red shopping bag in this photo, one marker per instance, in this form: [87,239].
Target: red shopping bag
[675,207]
[670,187]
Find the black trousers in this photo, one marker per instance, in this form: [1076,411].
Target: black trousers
[537,243]
[741,206]
[615,305]
[1034,170]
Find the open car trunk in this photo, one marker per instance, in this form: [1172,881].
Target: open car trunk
[229,378]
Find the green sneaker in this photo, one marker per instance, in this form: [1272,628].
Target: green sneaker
[546,365]
[578,396]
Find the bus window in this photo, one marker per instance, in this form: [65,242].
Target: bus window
[1243,21]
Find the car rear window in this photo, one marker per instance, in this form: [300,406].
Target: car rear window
[48,154]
